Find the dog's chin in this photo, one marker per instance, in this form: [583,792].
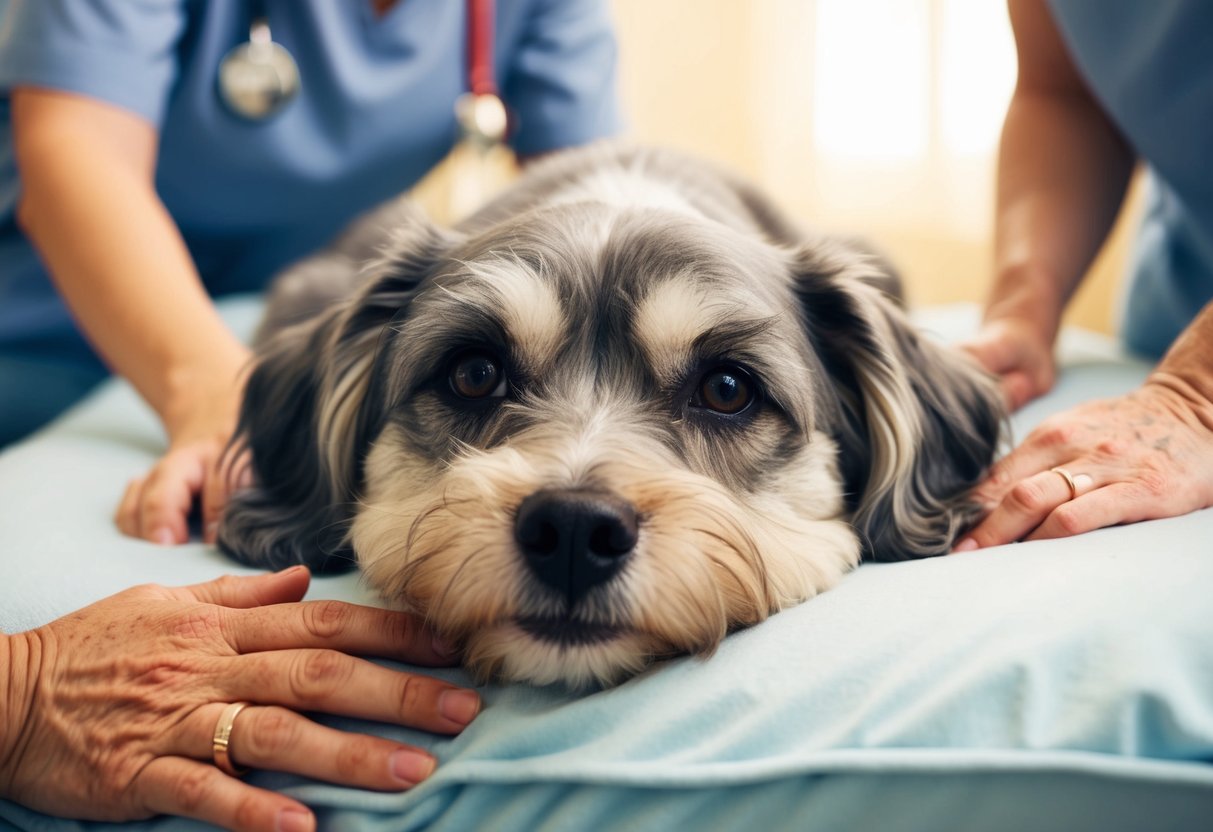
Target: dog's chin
[566,631]
[546,650]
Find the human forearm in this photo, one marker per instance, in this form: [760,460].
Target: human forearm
[115,254]
[1187,368]
[1063,171]
[1063,168]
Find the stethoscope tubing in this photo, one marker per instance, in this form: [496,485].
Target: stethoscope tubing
[259,77]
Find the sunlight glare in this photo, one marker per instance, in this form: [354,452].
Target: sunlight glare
[872,82]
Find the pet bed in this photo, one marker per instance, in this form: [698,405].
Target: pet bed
[1054,685]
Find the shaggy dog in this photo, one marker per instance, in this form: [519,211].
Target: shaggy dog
[624,409]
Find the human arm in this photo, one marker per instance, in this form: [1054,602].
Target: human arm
[115,255]
[1063,171]
[1141,456]
[111,709]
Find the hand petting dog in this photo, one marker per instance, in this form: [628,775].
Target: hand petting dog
[1019,354]
[1142,456]
[200,420]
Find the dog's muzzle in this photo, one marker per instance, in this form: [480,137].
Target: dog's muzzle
[575,539]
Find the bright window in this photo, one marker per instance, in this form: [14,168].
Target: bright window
[872,82]
[900,79]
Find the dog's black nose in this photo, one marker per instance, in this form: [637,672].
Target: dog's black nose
[576,539]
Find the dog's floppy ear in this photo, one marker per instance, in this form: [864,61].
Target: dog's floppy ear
[311,409]
[917,425]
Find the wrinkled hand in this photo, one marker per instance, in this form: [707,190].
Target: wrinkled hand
[156,506]
[111,710]
[1021,358]
[1142,456]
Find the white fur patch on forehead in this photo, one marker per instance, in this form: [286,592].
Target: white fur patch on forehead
[627,189]
[525,302]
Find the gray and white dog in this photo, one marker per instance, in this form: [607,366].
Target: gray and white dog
[622,410]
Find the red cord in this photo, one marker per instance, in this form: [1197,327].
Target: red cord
[481,78]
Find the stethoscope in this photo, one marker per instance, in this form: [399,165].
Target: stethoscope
[260,77]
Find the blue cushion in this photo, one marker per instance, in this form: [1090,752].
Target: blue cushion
[1055,685]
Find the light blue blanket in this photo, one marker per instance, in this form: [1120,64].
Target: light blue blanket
[1053,685]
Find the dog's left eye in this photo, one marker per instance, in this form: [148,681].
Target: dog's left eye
[477,375]
[727,390]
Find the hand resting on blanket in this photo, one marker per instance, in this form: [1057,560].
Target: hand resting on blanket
[109,713]
[1141,456]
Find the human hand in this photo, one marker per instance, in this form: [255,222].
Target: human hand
[156,506]
[1019,355]
[112,709]
[1142,456]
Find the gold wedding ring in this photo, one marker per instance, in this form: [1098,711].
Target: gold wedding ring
[1068,477]
[223,740]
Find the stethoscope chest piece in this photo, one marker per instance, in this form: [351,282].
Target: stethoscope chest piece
[258,78]
[482,119]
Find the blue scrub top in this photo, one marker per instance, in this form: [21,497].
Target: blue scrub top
[1150,65]
[374,114]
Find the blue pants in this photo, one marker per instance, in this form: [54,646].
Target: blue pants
[34,389]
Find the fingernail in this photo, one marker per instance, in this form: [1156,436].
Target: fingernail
[294,820]
[294,570]
[459,705]
[966,545]
[211,531]
[163,537]
[444,648]
[411,767]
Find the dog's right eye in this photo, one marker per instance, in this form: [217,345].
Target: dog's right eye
[477,375]
[727,390]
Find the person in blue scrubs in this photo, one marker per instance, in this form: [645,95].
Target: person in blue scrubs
[129,197]
[130,194]
[1102,88]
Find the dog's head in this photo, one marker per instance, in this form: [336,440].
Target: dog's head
[587,437]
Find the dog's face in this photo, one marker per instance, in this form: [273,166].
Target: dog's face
[598,451]
[587,438]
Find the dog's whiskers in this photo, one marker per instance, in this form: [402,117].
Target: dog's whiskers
[442,596]
[607,295]
[760,604]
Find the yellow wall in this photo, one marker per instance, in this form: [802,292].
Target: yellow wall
[733,80]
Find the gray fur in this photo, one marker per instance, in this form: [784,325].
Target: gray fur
[815,318]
